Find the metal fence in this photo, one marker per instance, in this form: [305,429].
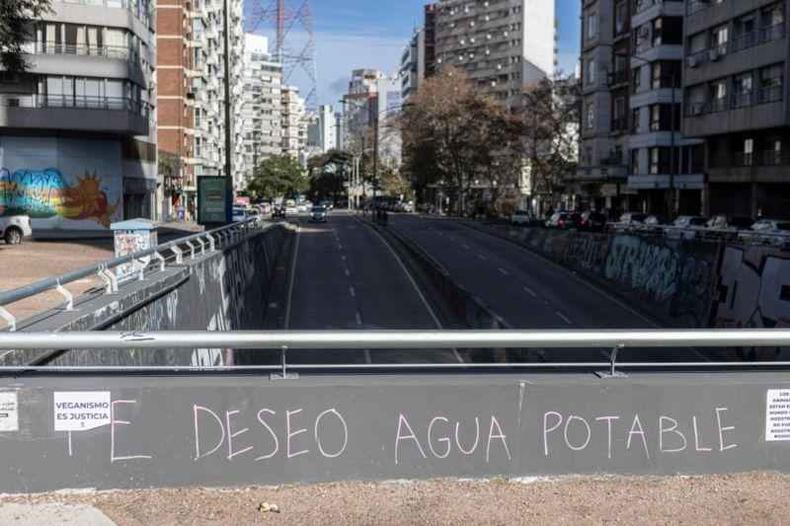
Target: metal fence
[143,262]
[278,343]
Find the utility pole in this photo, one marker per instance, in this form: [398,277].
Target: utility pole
[375,151]
[228,139]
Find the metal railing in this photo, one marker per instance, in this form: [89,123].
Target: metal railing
[82,50]
[79,102]
[156,258]
[614,341]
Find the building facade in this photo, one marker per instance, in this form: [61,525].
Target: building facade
[503,45]
[78,129]
[294,123]
[261,113]
[736,81]
[412,64]
[322,130]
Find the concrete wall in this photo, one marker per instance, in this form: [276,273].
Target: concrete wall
[680,283]
[227,430]
[220,291]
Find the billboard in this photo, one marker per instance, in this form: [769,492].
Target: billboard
[213,200]
[61,183]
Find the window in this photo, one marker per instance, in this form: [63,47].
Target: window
[771,84]
[742,90]
[636,79]
[590,72]
[592,26]
[590,116]
[658,160]
[718,95]
[620,17]
[619,117]
[635,169]
[667,31]
[661,117]
[748,152]
[720,37]
[635,124]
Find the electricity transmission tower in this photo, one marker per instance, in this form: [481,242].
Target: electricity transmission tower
[294,44]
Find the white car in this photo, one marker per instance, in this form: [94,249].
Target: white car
[13,229]
[769,232]
[520,217]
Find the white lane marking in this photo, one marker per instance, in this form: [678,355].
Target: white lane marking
[563,317]
[465,246]
[343,257]
[482,257]
[368,358]
[504,272]
[359,318]
[411,280]
[530,292]
[348,272]
[352,292]
[293,279]
[340,246]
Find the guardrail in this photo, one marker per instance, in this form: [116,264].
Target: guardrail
[612,340]
[160,257]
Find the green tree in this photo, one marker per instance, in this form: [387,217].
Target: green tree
[277,176]
[328,175]
[16,17]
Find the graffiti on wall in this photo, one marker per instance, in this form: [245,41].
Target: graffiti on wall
[44,194]
[754,288]
[643,266]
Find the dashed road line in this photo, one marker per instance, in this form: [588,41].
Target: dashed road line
[563,317]
[465,246]
[359,318]
[352,292]
[482,257]
[348,272]
[530,292]
[503,271]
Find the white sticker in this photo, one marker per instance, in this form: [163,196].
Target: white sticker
[81,410]
[9,411]
[777,415]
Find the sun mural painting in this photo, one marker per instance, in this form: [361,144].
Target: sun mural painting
[43,194]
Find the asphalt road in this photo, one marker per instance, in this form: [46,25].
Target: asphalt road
[345,277]
[526,290]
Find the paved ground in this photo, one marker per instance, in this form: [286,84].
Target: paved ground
[346,276]
[716,500]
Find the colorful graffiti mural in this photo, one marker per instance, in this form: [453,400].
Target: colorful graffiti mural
[44,194]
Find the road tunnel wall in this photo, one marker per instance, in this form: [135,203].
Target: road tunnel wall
[217,291]
[681,283]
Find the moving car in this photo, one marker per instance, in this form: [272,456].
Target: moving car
[13,229]
[318,214]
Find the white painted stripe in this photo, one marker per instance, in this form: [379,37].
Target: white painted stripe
[564,318]
[503,271]
[352,292]
[530,292]
[348,273]
[482,256]
[359,319]
[465,246]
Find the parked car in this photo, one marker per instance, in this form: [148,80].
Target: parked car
[291,210]
[319,214]
[564,220]
[775,232]
[689,221]
[628,222]
[723,222]
[13,229]
[653,224]
[240,214]
[521,217]
[592,221]
[771,226]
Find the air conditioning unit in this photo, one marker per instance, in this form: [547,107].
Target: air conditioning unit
[692,61]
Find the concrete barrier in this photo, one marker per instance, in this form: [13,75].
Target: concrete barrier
[229,430]
[222,290]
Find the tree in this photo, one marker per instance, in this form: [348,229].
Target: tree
[16,18]
[550,117]
[328,173]
[277,176]
[454,137]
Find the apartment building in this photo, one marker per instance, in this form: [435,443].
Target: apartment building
[503,45]
[294,123]
[736,98]
[208,91]
[358,107]
[174,101]
[261,111]
[412,64]
[78,129]
[633,155]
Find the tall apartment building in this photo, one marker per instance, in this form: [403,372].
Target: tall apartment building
[207,87]
[78,130]
[261,110]
[503,45]
[294,123]
[633,156]
[387,104]
[736,81]
[412,64]
[358,106]
[174,101]
[325,131]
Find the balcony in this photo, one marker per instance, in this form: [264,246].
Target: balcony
[119,116]
[617,78]
[741,43]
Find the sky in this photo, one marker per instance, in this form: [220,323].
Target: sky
[352,34]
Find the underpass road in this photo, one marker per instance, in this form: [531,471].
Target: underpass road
[526,290]
[346,277]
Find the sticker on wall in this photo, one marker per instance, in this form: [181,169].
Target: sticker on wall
[777,415]
[9,411]
[81,410]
